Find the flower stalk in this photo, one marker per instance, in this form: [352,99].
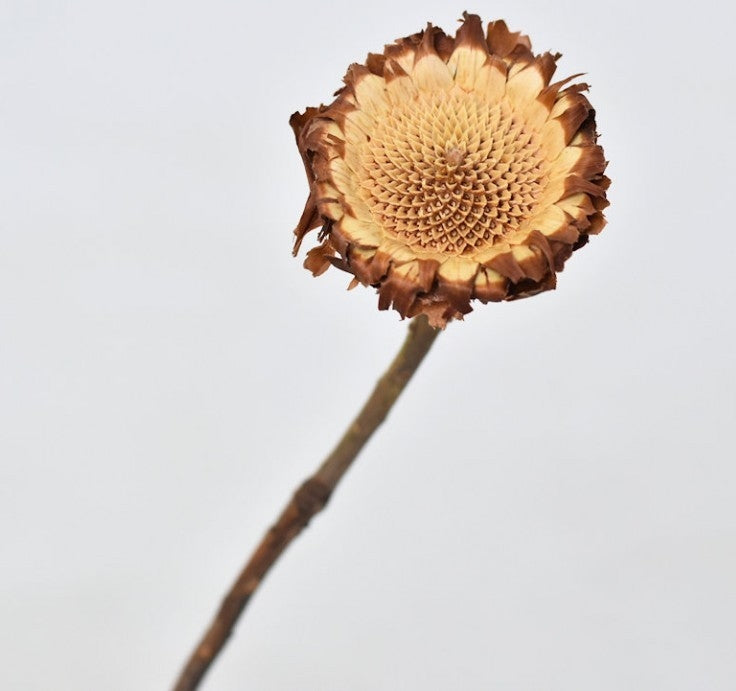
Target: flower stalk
[308,500]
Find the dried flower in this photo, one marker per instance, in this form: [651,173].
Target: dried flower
[450,169]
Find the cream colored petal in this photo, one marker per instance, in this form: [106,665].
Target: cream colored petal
[357,206]
[566,161]
[524,86]
[522,253]
[489,276]
[490,82]
[358,126]
[581,138]
[553,190]
[331,129]
[559,171]
[370,92]
[401,90]
[405,59]
[553,139]
[535,114]
[565,101]
[346,186]
[567,164]
[324,189]
[577,206]
[430,73]
[328,200]
[354,159]
[341,176]
[465,63]
[364,233]
[517,67]
[458,269]
[331,209]
[399,253]
[409,270]
[363,253]
[551,220]
[489,253]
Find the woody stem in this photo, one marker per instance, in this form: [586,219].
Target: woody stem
[308,500]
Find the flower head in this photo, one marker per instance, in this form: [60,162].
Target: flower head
[451,169]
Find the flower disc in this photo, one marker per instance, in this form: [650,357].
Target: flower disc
[450,173]
[448,170]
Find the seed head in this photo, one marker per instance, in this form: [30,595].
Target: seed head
[450,169]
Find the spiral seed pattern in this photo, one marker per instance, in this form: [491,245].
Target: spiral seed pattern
[450,174]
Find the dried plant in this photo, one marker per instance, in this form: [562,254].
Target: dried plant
[446,170]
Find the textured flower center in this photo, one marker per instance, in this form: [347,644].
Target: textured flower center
[449,173]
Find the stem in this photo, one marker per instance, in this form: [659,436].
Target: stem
[309,499]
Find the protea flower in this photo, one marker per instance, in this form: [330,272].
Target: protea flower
[451,169]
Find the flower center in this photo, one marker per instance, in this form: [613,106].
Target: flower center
[451,174]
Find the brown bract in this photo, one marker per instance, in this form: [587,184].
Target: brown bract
[451,169]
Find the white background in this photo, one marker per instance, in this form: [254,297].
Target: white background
[551,507]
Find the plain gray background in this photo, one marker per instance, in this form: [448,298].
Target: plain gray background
[551,507]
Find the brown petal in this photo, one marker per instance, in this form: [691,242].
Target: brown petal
[502,42]
[310,219]
[490,286]
[318,258]
[470,34]
[507,266]
[376,62]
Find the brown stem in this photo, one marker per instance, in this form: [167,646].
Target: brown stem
[309,499]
